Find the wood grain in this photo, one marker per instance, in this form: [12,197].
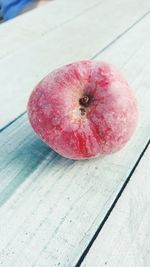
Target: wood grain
[125,239]
[80,38]
[31,26]
[51,206]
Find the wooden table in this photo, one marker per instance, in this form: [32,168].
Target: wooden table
[60,212]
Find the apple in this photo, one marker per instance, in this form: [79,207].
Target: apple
[83,110]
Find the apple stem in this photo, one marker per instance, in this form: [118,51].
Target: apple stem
[84,101]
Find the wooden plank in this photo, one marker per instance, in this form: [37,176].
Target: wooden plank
[48,212]
[22,69]
[31,26]
[125,239]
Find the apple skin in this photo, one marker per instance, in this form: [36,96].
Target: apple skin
[83,110]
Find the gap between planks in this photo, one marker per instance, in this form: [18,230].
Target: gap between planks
[97,233]
[124,239]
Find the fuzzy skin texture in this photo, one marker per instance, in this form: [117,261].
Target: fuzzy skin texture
[83,110]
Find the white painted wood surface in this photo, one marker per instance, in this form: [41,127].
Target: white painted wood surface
[81,36]
[125,238]
[48,212]
[31,26]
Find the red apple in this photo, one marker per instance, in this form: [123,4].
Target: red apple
[83,110]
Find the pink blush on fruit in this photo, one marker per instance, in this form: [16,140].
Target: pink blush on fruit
[83,110]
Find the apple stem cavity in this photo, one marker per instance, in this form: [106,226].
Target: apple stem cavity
[84,101]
